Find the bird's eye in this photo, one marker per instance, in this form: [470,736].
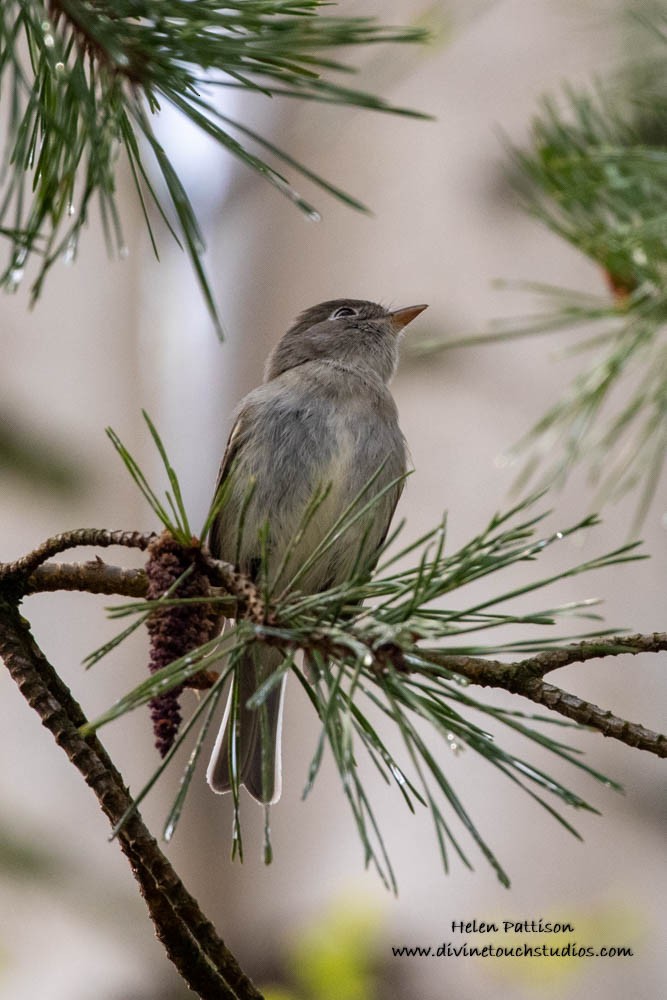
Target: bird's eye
[343,311]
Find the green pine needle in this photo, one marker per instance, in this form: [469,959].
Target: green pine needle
[175,522]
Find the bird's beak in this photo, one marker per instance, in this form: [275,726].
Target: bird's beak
[401,317]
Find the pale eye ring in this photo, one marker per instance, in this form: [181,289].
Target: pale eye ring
[343,311]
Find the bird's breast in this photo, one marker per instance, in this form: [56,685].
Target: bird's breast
[316,459]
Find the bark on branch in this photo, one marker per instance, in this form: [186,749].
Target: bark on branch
[524,677]
[190,940]
[99,537]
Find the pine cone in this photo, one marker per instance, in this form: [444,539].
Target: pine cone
[174,631]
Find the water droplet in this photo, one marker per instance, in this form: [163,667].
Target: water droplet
[15,278]
[368,660]
[17,270]
[398,774]
[310,213]
[532,773]
[60,68]
[49,41]
[559,534]
[71,249]
[237,846]
[70,208]
[639,257]
[268,849]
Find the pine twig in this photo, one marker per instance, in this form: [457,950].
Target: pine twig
[190,940]
[496,673]
[94,577]
[98,577]
[100,537]
[524,677]
[593,649]
[633,734]
[241,586]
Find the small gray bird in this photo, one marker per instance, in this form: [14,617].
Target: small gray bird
[323,419]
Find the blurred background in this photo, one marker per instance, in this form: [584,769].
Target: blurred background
[110,337]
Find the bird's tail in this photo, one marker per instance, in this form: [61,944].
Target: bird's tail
[258,731]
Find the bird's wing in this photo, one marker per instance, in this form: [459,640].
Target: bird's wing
[231,452]
[390,517]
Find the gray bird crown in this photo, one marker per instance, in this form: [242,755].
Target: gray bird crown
[348,332]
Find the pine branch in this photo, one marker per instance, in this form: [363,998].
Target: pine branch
[378,660]
[190,940]
[99,537]
[587,714]
[84,82]
[382,642]
[520,677]
[523,677]
[595,174]
[496,673]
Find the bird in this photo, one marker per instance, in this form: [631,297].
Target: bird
[323,419]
